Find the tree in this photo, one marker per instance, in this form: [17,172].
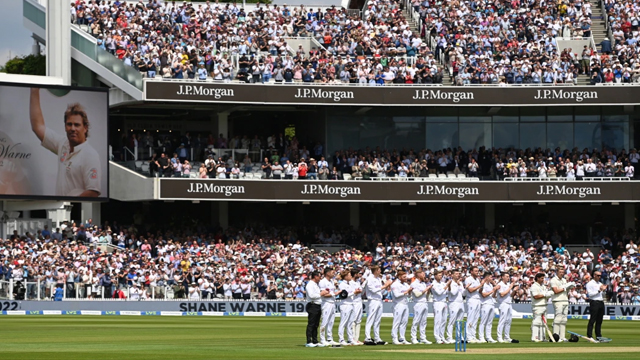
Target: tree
[26,65]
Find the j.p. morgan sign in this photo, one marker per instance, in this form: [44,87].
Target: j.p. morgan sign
[398,191]
[303,94]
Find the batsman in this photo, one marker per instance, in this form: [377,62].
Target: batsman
[539,296]
[560,300]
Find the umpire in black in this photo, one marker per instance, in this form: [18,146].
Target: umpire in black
[313,309]
[596,304]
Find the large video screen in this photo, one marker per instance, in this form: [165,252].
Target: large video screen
[53,142]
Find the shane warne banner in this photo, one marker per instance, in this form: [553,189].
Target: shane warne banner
[53,142]
[314,94]
[399,191]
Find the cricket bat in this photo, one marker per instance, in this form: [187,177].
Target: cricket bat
[584,337]
[551,338]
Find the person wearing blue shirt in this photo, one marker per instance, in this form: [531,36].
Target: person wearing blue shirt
[178,72]
[379,79]
[46,231]
[202,72]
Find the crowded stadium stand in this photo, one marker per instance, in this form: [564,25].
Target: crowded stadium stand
[124,261]
[497,134]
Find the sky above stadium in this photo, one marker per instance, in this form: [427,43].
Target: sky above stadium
[15,39]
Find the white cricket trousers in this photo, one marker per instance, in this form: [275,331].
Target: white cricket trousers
[456,312]
[420,312]
[346,318]
[473,314]
[487,313]
[326,324]
[537,325]
[400,321]
[439,319]
[357,320]
[374,316]
[504,324]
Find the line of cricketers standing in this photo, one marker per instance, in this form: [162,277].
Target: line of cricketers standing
[482,294]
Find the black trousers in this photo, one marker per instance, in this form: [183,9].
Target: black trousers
[314,312]
[596,308]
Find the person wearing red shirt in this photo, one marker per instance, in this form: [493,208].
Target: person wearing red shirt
[302,169]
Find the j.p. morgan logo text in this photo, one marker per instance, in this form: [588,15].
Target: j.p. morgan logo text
[577,96]
[460,192]
[215,189]
[216,93]
[581,192]
[454,96]
[343,191]
[337,96]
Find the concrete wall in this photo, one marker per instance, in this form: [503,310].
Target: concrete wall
[127,185]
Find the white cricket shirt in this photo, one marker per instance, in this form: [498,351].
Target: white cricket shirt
[439,292]
[79,170]
[398,288]
[420,286]
[328,285]
[504,299]
[471,282]
[455,292]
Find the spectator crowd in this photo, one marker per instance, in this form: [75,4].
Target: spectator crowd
[478,41]
[270,263]
[488,163]
[224,42]
[514,42]
[294,159]
[618,62]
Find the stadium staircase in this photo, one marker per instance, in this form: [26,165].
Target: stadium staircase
[446,81]
[598,31]
[598,22]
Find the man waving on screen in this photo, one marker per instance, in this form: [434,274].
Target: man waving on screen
[78,162]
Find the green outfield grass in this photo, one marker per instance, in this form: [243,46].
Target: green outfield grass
[154,337]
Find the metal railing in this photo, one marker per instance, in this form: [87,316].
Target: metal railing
[272,82]
[607,26]
[49,291]
[523,84]
[594,178]
[128,153]
[24,290]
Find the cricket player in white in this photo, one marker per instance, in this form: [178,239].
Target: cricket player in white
[400,290]
[487,308]
[78,162]
[420,308]
[504,306]
[439,293]
[346,308]
[539,296]
[473,286]
[374,288]
[357,304]
[328,307]
[456,304]
[560,301]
